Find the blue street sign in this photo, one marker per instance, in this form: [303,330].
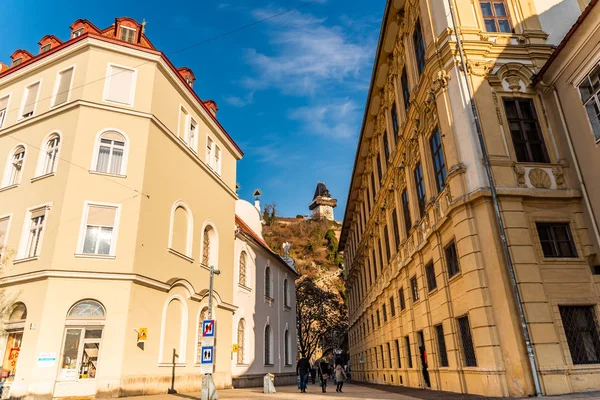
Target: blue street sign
[208,328]
[207,354]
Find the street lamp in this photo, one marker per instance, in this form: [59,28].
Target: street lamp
[209,390]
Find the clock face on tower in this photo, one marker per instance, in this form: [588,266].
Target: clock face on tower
[328,212]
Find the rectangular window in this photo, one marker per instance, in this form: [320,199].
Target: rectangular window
[392,306]
[396,230]
[386,238]
[402,301]
[379,170]
[398,362]
[63,86]
[451,259]
[3,110]
[373,322]
[373,191]
[127,34]
[439,163]
[405,90]
[495,16]
[183,124]
[590,95]
[382,356]
[77,32]
[386,148]
[395,123]
[406,211]
[99,233]
[419,44]
[581,329]
[556,240]
[378,319]
[376,358]
[467,341]
[374,262]
[384,310]
[441,341]
[209,151]
[525,131]
[120,85]
[381,261]
[80,353]
[430,273]
[408,352]
[218,154]
[35,233]
[3,234]
[29,100]
[389,351]
[46,48]
[193,135]
[420,185]
[414,288]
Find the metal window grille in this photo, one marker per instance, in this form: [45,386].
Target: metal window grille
[406,211]
[392,306]
[402,301]
[525,131]
[414,287]
[452,259]
[399,362]
[556,240]
[441,341]
[408,352]
[384,310]
[437,156]
[467,341]
[405,90]
[495,16]
[582,332]
[419,44]
[396,230]
[386,239]
[430,272]
[420,185]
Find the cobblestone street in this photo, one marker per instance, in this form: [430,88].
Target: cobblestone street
[351,391]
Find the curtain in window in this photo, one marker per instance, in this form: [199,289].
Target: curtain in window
[51,155]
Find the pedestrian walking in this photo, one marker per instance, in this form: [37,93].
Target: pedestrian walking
[340,376]
[302,369]
[324,375]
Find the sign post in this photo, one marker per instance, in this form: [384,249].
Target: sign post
[209,390]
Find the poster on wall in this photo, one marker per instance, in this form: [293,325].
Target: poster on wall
[46,359]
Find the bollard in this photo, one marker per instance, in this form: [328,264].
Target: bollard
[269,383]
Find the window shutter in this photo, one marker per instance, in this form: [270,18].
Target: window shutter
[30,100]
[63,87]
[103,216]
[120,85]
[40,212]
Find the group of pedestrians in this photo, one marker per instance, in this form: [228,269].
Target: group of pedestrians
[323,370]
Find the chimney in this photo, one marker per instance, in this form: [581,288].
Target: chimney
[257,204]
[212,107]
[257,195]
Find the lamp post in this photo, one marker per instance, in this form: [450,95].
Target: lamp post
[209,390]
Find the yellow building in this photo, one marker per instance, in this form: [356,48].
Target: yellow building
[117,192]
[454,282]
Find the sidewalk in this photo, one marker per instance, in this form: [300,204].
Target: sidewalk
[351,392]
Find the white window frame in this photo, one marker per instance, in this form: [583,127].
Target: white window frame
[130,29]
[94,163]
[218,161]
[210,151]
[39,171]
[4,238]
[8,168]
[192,143]
[107,84]
[3,116]
[78,32]
[593,98]
[192,140]
[57,84]
[82,229]
[24,99]
[26,228]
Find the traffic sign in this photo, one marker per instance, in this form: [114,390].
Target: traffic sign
[143,334]
[207,354]
[208,328]
[235,348]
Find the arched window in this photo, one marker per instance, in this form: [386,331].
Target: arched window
[111,153]
[14,327]
[82,339]
[18,314]
[286,343]
[242,280]
[268,343]
[14,167]
[181,231]
[241,338]
[210,246]
[286,301]
[173,331]
[49,156]
[268,291]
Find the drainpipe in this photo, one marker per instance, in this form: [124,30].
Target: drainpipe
[505,248]
[577,168]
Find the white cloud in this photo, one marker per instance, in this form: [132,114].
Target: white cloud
[336,119]
[237,101]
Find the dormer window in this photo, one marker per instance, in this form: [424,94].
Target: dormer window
[17,61]
[127,34]
[46,47]
[77,32]
[188,80]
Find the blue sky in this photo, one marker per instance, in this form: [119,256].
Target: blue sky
[291,91]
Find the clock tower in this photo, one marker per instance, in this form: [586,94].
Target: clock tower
[322,204]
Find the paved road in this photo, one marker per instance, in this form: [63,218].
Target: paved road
[351,391]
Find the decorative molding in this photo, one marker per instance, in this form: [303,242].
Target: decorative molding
[540,179]
[559,177]
[520,174]
[480,68]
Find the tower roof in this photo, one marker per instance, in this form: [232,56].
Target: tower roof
[321,191]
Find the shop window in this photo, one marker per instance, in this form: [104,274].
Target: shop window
[14,328]
[495,16]
[525,131]
[581,329]
[590,95]
[82,340]
[556,240]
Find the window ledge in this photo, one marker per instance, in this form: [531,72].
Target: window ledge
[454,277]
[287,308]
[9,187]
[107,174]
[268,365]
[245,287]
[39,178]
[171,364]
[269,300]
[22,260]
[175,252]
[100,256]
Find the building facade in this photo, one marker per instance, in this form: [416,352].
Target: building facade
[117,193]
[264,326]
[433,299]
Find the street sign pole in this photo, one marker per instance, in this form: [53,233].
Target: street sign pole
[209,390]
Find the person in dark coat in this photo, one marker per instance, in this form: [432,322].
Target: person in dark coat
[303,369]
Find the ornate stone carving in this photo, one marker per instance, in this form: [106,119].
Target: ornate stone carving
[514,83]
[480,68]
[498,113]
[441,79]
[520,173]
[540,179]
[559,177]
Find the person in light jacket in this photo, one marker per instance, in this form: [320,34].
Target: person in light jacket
[340,376]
